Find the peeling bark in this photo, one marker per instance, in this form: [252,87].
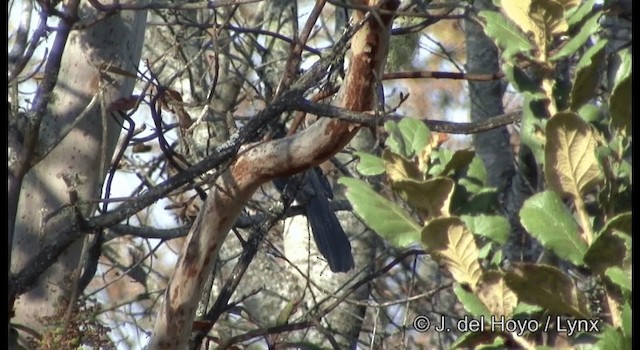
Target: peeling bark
[261,164]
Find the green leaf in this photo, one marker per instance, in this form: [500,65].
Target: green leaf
[613,339]
[534,118]
[624,70]
[497,259]
[612,246]
[590,113]
[443,156]
[476,176]
[471,302]
[483,202]
[546,218]
[547,287]
[626,320]
[452,245]
[507,36]
[395,140]
[483,252]
[526,309]
[494,227]
[620,98]
[620,222]
[286,312]
[571,166]
[459,160]
[587,75]
[369,165]
[619,277]
[521,81]
[577,41]
[432,196]
[607,250]
[386,218]
[416,135]
[579,13]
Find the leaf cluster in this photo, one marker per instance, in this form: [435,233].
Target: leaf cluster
[581,215]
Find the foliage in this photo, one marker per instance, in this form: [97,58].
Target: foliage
[208,66]
[583,158]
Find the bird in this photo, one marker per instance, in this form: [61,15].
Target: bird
[312,192]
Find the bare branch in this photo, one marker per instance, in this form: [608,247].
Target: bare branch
[262,163]
[367,118]
[442,75]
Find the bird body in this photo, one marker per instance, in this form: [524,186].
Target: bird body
[312,192]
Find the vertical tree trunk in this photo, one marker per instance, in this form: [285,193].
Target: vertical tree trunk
[80,154]
[486,101]
[493,146]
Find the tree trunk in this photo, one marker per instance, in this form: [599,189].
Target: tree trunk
[493,146]
[486,101]
[79,155]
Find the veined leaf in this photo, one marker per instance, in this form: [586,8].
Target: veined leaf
[549,17]
[496,295]
[612,338]
[624,71]
[452,245]
[546,218]
[508,37]
[521,81]
[519,13]
[578,14]
[534,118]
[620,98]
[459,160]
[591,26]
[485,201]
[608,250]
[619,277]
[432,196]
[476,177]
[395,141]
[548,287]
[571,166]
[471,302]
[383,216]
[590,113]
[620,222]
[416,135]
[369,165]
[612,246]
[399,168]
[587,75]
[494,227]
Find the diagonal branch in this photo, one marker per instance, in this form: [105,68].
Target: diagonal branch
[276,158]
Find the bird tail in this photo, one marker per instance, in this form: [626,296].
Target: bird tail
[331,240]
